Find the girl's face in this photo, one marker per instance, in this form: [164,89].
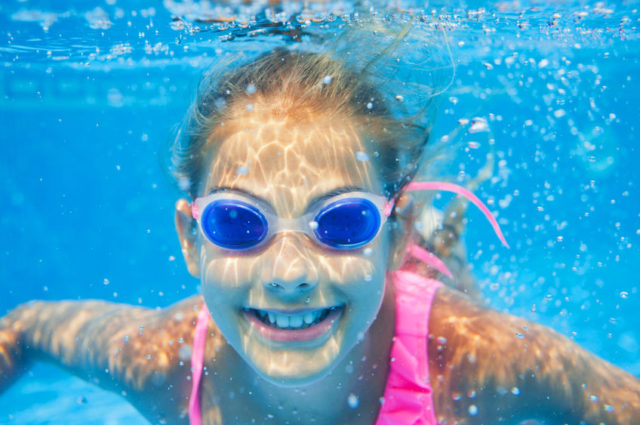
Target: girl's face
[292,308]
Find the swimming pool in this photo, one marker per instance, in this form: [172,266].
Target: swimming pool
[92,93]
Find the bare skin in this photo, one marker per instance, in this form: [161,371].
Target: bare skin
[485,367]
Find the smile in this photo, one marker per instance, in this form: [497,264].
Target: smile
[299,325]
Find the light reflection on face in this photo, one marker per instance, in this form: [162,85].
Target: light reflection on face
[288,164]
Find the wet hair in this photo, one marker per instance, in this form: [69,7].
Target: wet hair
[308,81]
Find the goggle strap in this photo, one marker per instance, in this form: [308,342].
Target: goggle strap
[388,207]
[195,210]
[459,190]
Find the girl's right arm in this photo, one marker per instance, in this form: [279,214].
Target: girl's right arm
[143,354]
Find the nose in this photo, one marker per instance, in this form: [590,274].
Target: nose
[290,267]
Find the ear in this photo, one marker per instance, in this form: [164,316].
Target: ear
[188,238]
[404,212]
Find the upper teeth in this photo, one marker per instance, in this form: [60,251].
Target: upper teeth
[289,321]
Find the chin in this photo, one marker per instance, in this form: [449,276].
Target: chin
[296,380]
[293,367]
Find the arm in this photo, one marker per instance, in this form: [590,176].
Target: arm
[140,353]
[12,364]
[488,367]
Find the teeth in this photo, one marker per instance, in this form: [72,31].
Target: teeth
[282,320]
[309,318]
[295,321]
[292,321]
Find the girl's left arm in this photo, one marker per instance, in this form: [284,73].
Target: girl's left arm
[488,367]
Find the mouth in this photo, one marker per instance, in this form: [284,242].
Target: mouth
[298,325]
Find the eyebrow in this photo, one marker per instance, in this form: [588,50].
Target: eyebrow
[236,189]
[330,194]
[312,202]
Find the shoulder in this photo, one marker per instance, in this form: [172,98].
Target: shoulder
[461,330]
[163,330]
[472,347]
[153,358]
[153,349]
[454,311]
[475,351]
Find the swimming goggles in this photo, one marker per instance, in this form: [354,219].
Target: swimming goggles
[347,221]
[344,222]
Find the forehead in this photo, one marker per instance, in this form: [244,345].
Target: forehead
[289,161]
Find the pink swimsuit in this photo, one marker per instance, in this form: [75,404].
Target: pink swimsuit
[408,396]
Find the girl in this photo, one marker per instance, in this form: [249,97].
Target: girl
[315,308]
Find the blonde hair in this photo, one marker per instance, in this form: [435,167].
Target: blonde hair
[309,81]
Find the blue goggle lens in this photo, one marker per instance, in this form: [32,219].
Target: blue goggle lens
[234,224]
[348,223]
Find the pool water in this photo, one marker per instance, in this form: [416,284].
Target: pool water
[91,94]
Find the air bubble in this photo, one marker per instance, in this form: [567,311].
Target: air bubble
[184,183]
[220,103]
[115,98]
[353,401]
[478,125]
[362,156]
[184,352]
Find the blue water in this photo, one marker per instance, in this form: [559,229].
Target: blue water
[91,93]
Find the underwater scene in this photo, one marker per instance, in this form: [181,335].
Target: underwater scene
[532,105]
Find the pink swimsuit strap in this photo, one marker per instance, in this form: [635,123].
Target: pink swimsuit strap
[197,361]
[408,398]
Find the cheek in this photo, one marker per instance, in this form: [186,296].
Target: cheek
[367,267]
[223,275]
[362,273]
[343,269]
[223,272]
